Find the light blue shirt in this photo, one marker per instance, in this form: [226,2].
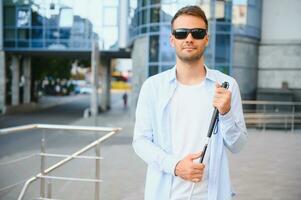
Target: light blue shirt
[152,137]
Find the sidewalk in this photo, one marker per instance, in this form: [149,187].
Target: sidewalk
[268,167]
[122,170]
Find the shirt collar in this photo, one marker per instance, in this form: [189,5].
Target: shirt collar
[209,74]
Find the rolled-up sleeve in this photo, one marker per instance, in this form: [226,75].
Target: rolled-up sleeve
[232,124]
[143,140]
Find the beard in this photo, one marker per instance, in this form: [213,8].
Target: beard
[186,57]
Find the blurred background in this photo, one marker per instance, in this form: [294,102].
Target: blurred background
[82,63]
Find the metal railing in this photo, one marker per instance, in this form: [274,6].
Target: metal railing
[43,175]
[273,114]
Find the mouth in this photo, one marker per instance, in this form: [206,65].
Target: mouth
[189,48]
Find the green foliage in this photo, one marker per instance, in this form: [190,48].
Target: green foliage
[57,67]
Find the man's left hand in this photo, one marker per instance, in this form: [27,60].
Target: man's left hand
[222,99]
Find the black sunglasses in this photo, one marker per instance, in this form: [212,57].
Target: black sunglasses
[182,33]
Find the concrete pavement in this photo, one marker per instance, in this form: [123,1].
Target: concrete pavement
[266,169]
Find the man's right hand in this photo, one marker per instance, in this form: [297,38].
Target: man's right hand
[189,170]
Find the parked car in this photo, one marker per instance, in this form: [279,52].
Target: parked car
[85,89]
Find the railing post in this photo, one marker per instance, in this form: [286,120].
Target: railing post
[97,172]
[285,123]
[49,190]
[293,119]
[43,150]
[264,110]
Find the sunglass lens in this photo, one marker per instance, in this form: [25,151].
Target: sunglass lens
[180,33]
[198,33]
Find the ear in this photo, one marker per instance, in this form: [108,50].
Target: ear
[207,40]
[172,40]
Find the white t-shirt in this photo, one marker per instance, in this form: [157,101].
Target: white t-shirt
[191,111]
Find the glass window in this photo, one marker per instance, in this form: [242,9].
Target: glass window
[23,17]
[9,33]
[223,68]
[8,2]
[37,19]
[228,11]
[253,2]
[154,48]
[135,20]
[52,33]
[165,67]
[222,49]
[220,10]
[66,17]
[10,43]
[246,17]
[155,1]
[154,28]
[143,29]
[23,38]
[144,16]
[223,27]
[65,33]
[239,14]
[166,51]
[144,2]
[155,15]
[23,34]
[9,16]
[153,70]
[68,20]
[37,33]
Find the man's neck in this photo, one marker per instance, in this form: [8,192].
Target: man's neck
[190,73]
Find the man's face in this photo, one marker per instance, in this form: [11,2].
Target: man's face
[189,49]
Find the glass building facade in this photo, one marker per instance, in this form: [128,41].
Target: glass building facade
[46,25]
[246,18]
[226,18]
[152,18]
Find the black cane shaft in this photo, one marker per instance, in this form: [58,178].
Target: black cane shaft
[203,153]
[215,114]
[212,125]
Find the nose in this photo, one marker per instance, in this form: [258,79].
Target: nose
[189,38]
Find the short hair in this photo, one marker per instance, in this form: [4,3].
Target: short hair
[191,10]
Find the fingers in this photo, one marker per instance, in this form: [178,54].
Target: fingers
[196,178]
[222,99]
[196,175]
[194,156]
[190,170]
[219,89]
[197,169]
[221,93]
[198,166]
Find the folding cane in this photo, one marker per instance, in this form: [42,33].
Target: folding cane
[210,131]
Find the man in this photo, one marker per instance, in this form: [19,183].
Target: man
[173,116]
